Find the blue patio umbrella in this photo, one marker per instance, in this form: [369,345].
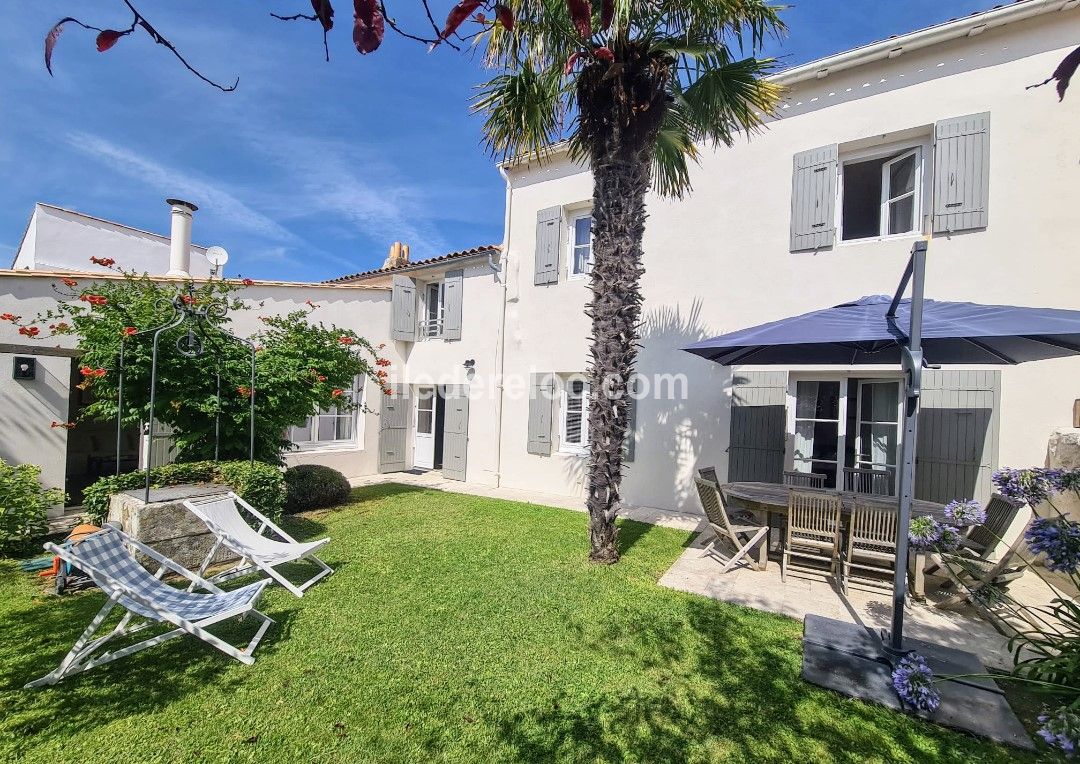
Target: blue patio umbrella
[863,332]
[914,333]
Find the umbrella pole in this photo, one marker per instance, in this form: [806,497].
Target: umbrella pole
[912,364]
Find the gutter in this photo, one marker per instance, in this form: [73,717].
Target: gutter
[969,26]
[501,342]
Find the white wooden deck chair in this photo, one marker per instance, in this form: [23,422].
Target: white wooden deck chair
[221,514]
[742,534]
[105,556]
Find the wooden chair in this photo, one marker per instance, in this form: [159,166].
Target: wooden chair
[709,473]
[813,530]
[983,584]
[741,535]
[1001,513]
[868,481]
[805,479]
[871,545]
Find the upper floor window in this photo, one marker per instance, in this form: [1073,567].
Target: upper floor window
[580,242]
[434,309]
[881,195]
[574,423]
[332,427]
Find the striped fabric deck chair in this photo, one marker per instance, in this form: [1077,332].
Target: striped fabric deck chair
[813,532]
[221,514]
[107,558]
[871,546]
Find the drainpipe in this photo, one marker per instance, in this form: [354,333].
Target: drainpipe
[501,346]
[180,238]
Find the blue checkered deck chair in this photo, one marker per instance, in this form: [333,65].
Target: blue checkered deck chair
[221,514]
[106,557]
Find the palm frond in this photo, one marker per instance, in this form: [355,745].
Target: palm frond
[728,97]
[524,110]
[673,153]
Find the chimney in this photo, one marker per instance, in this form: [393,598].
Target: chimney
[399,255]
[180,237]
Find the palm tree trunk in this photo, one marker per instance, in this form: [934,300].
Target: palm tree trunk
[620,116]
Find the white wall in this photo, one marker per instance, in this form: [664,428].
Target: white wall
[438,361]
[61,240]
[28,408]
[719,260]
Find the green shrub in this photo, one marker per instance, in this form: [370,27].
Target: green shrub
[261,485]
[24,503]
[314,486]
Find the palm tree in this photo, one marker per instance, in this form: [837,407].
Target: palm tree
[635,87]
[642,86]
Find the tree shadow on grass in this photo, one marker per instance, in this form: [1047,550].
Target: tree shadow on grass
[721,684]
[383,490]
[630,532]
[136,684]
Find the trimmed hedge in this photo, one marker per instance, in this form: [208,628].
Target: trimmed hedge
[314,486]
[261,485]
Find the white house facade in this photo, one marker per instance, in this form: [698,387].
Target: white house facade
[927,135]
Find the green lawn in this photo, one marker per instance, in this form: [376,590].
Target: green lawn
[456,628]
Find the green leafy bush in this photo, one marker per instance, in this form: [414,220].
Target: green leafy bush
[24,503]
[261,485]
[314,486]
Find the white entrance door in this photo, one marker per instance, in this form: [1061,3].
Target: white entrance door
[877,441]
[424,433]
[820,412]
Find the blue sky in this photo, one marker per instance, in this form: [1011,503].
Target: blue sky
[308,170]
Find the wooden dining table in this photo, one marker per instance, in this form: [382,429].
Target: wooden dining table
[772,498]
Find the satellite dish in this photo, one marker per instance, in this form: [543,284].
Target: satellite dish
[217,257]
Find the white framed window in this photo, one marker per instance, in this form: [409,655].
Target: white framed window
[579,243]
[881,193]
[332,428]
[877,441]
[574,419]
[431,325]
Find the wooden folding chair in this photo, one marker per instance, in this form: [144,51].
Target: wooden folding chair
[871,546]
[743,536]
[805,479]
[981,583]
[813,531]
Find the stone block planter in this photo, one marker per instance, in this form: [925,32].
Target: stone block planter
[165,524]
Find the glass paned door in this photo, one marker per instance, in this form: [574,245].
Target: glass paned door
[424,436]
[818,431]
[878,437]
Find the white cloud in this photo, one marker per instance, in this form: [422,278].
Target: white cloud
[170,180]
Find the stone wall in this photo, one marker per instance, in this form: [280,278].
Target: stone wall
[166,525]
[1063,451]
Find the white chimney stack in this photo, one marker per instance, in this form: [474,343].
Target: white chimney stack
[180,237]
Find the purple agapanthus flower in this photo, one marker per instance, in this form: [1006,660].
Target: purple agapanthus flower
[1061,731]
[925,533]
[1031,486]
[1057,538]
[914,683]
[965,513]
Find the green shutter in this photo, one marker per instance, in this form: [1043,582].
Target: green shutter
[453,285]
[957,435]
[548,237]
[813,199]
[962,173]
[541,395]
[758,426]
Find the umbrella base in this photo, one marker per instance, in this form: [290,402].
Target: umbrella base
[851,660]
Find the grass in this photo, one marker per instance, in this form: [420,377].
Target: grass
[456,628]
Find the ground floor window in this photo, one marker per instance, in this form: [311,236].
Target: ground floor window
[574,422]
[843,421]
[332,427]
